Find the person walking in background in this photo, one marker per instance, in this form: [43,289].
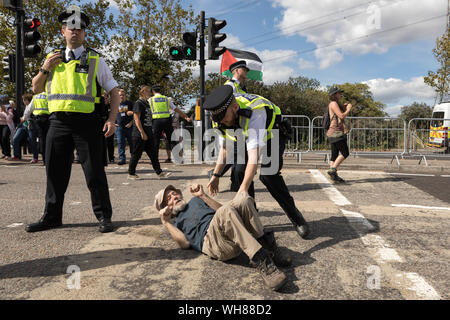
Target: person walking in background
[143,136]
[41,120]
[4,133]
[337,132]
[124,123]
[26,131]
[160,106]
[110,139]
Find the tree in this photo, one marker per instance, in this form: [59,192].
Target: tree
[47,11]
[152,26]
[416,110]
[440,80]
[361,98]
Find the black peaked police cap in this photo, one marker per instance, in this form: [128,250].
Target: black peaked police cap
[218,101]
[70,12]
[239,64]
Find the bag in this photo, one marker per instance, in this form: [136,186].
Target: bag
[326,120]
[286,127]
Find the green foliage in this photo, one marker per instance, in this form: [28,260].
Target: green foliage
[440,80]
[359,95]
[416,110]
[146,31]
[47,11]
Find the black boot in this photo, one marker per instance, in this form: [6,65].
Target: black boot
[273,278]
[268,242]
[300,224]
[42,225]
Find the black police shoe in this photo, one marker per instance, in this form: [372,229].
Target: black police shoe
[302,230]
[42,225]
[106,226]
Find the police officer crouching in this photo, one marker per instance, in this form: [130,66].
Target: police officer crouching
[257,117]
[74,79]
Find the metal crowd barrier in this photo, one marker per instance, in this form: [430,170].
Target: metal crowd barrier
[428,138]
[368,136]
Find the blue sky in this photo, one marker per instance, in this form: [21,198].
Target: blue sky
[387,44]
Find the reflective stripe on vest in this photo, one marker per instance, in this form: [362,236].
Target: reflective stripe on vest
[40,104]
[253,102]
[160,107]
[236,86]
[72,91]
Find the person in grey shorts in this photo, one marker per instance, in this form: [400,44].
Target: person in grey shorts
[222,231]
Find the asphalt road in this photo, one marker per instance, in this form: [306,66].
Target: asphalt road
[380,236]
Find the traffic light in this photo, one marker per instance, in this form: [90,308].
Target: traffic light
[190,45]
[30,37]
[214,38]
[9,68]
[176,53]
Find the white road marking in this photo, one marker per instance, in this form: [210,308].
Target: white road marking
[419,207]
[416,286]
[411,174]
[75,203]
[14,225]
[331,191]
[125,183]
[445,175]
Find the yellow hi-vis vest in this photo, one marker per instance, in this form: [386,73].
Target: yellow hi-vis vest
[160,106]
[40,104]
[236,86]
[72,86]
[253,102]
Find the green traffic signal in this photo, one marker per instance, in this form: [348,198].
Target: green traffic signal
[175,53]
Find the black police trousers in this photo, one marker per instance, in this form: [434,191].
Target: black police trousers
[83,132]
[42,125]
[274,182]
[160,125]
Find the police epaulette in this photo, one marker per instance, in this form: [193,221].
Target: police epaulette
[90,49]
[247,113]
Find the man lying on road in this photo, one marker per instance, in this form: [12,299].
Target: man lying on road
[222,231]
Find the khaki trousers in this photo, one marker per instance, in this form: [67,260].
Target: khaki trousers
[234,228]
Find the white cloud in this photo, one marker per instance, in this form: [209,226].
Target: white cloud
[327,22]
[305,64]
[393,90]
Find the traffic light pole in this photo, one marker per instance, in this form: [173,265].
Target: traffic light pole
[20,79]
[202,63]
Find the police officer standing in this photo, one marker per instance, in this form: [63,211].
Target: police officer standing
[256,116]
[160,106]
[73,80]
[239,70]
[41,115]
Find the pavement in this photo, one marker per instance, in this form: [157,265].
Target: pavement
[365,243]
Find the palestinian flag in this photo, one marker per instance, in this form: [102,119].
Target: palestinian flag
[254,63]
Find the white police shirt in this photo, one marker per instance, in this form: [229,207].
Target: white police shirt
[104,74]
[256,130]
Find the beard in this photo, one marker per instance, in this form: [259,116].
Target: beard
[178,208]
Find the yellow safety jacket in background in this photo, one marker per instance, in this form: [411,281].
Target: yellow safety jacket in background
[160,106]
[72,86]
[253,102]
[236,85]
[40,104]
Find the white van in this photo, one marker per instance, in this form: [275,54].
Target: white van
[439,127]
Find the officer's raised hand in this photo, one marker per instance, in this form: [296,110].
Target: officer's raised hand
[52,61]
[213,186]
